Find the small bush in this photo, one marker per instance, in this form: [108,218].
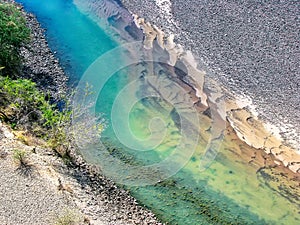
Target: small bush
[13,33]
[20,157]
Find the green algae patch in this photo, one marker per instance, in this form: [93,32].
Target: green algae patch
[185,201]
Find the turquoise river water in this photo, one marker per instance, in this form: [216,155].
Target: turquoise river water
[229,192]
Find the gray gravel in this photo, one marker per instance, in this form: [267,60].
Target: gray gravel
[25,200]
[51,189]
[252,47]
[26,197]
[40,64]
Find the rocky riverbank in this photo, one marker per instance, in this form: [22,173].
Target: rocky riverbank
[248,127]
[251,48]
[46,189]
[40,65]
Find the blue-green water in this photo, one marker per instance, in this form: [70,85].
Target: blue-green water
[229,192]
[77,40]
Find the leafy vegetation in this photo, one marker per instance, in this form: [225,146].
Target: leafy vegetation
[22,105]
[25,107]
[13,34]
[20,157]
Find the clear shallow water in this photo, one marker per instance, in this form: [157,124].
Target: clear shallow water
[228,192]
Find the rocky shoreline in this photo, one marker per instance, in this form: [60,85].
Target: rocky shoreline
[161,37]
[259,134]
[40,65]
[262,69]
[78,186]
[208,94]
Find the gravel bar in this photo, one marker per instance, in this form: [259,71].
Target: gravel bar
[252,47]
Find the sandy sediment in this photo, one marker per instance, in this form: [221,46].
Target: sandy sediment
[246,145]
[253,132]
[195,77]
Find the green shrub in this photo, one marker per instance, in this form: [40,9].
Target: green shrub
[13,33]
[20,157]
[28,108]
